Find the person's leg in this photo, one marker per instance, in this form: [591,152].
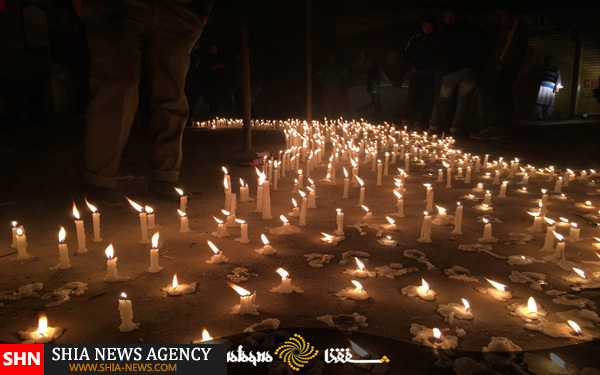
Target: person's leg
[550,108]
[176,28]
[115,58]
[466,88]
[444,102]
[329,102]
[411,100]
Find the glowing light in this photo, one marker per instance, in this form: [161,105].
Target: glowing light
[75,212]
[110,251]
[575,327]
[90,206]
[283,219]
[424,286]
[467,305]
[579,272]
[497,285]
[359,264]
[136,206]
[213,247]
[239,290]
[283,273]
[558,361]
[62,234]
[205,335]
[42,325]
[558,236]
[175,284]
[357,285]
[179,191]
[532,306]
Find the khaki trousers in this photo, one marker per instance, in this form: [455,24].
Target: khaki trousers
[117,30]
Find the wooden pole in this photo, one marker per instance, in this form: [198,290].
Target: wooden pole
[245,52]
[308,61]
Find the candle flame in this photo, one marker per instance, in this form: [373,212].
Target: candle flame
[19,231]
[437,333]
[283,273]
[264,239]
[496,285]
[205,335]
[534,214]
[575,327]
[242,183]
[338,210]
[357,285]
[445,164]
[345,172]
[91,206]
[155,240]
[42,325]
[588,203]
[226,182]
[398,195]
[213,247]
[485,220]
[76,212]
[328,237]
[225,212]
[175,284]
[310,189]
[239,290]
[225,170]
[466,303]
[579,272]
[558,361]
[124,295]
[549,221]
[310,181]
[365,208]
[14,224]
[558,236]
[390,220]
[303,194]
[179,191]
[532,306]
[62,234]
[283,219]
[360,182]
[240,221]
[574,225]
[358,350]
[359,264]
[136,206]
[219,221]
[441,210]
[424,286]
[563,219]
[110,251]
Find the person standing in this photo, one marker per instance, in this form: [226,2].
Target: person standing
[422,53]
[118,31]
[333,76]
[508,49]
[550,83]
[462,57]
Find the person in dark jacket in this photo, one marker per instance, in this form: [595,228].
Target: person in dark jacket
[119,33]
[333,76]
[509,45]
[422,53]
[462,58]
[550,82]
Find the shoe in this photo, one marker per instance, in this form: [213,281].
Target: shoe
[503,133]
[454,130]
[103,196]
[433,129]
[164,190]
[487,133]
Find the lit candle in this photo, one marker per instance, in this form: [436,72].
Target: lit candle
[468,174]
[361,199]
[154,267]
[558,185]
[379,172]
[300,179]
[549,239]
[244,192]
[218,256]
[42,334]
[276,177]
[229,218]
[14,235]
[448,174]
[358,292]
[221,228]
[143,221]
[246,306]
[487,198]
[458,216]
[399,204]
[456,310]
[537,222]
[421,291]
[243,231]
[368,213]
[21,245]
[80,231]
[150,217]
[386,165]
[426,229]
[559,251]
[111,265]
[311,198]
[502,193]
[499,291]
[497,178]
[428,197]
[407,162]
[176,289]
[184,224]
[339,219]
[346,184]
[286,283]
[63,251]
[227,178]
[392,224]
[266,202]
[576,329]
[440,176]
[487,232]
[95,221]
[442,216]
[574,232]
[267,249]
[126,313]
[183,199]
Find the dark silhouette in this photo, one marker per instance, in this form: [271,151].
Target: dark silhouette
[333,76]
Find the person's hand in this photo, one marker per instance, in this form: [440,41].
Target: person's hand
[556,90]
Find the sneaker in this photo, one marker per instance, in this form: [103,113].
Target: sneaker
[103,196]
[487,133]
[164,190]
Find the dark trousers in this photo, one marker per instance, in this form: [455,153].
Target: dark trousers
[117,30]
[334,101]
[420,99]
[496,89]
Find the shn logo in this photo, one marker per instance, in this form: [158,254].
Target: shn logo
[21,359]
[296,352]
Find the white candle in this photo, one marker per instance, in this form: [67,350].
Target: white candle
[184,224]
[487,232]
[154,267]
[537,222]
[448,177]
[95,221]
[346,184]
[502,193]
[246,306]
[574,232]
[111,265]
[143,221]
[379,172]
[399,204]
[468,175]
[243,231]
[266,207]
[497,178]
[458,216]
[361,198]
[386,166]
[218,256]
[303,207]
[221,229]
[176,289]
[440,176]
[339,219]
[276,178]
[244,192]
[126,314]
[63,251]
[183,197]
[14,235]
[429,197]
[286,283]
[21,245]
[150,217]
[549,239]
[559,251]
[477,164]
[487,198]
[80,231]
[426,229]
[300,179]
[558,186]
[354,173]
[407,163]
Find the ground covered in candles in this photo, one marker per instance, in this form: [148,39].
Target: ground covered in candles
[391,315]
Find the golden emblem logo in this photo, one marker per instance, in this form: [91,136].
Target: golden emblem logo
[296,352]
